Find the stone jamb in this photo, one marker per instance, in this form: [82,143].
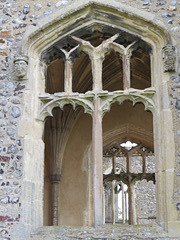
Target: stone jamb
[40,38]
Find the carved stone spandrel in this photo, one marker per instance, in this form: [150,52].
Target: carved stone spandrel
[169,58]
[20,67]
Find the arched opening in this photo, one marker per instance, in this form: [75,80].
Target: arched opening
[127,163]
[66,136]
[82,74]
[95,16]
[112,72]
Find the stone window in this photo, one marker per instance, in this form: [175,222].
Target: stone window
[128,168]
[98,69]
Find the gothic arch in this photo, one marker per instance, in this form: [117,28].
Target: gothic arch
[95,14]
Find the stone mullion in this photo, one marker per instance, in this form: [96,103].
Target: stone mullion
[55,180]
[113,201]
[144,163]
[96,63]
[126,70]
[68,69]
[68,75]
[123,203]
[97,155]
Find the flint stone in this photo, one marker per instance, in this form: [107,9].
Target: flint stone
[47,12]
[4,20]
[37,6]
[2,84]
[60,3]
[26,9]
[10,85]
[4,200]
[15,200]
[15,101]
[16,112]
[178,206]
[3,103]
[177,105]
[10,131]
[5,109]
[2,76]
[12,149]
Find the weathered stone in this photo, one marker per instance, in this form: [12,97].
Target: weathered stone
[47,12]
[178,206]
[169,57]
[4,159]
[37,6]
[10,176]
[171,8]
[4,200]
[4,20]
[10,85]
[15,101]
[2,76]
[12,149]
[10,131]
[61,3]
[17,190]
[20,66]
[15,200]
[26,9]
[5,109]
[3,103]
[2,85]
[16,112]
[16,183]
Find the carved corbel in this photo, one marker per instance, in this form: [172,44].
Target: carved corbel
[169,58]
[20,67]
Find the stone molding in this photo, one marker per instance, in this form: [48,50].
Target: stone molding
[47,28]
[50,101]
[55,178]
[134,95]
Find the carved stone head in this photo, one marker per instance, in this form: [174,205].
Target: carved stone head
[169,57]
[20,66]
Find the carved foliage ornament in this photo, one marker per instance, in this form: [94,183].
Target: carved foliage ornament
[20,66]
[169,57]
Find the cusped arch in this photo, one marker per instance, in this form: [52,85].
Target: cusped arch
[60,102]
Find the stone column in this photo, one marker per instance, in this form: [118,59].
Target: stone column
[126,70]
[96,62]
[97,155]
[126,56]
[113,201]
[55,180]
[68,75]
[96,55]
[68,69]
[123,204]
